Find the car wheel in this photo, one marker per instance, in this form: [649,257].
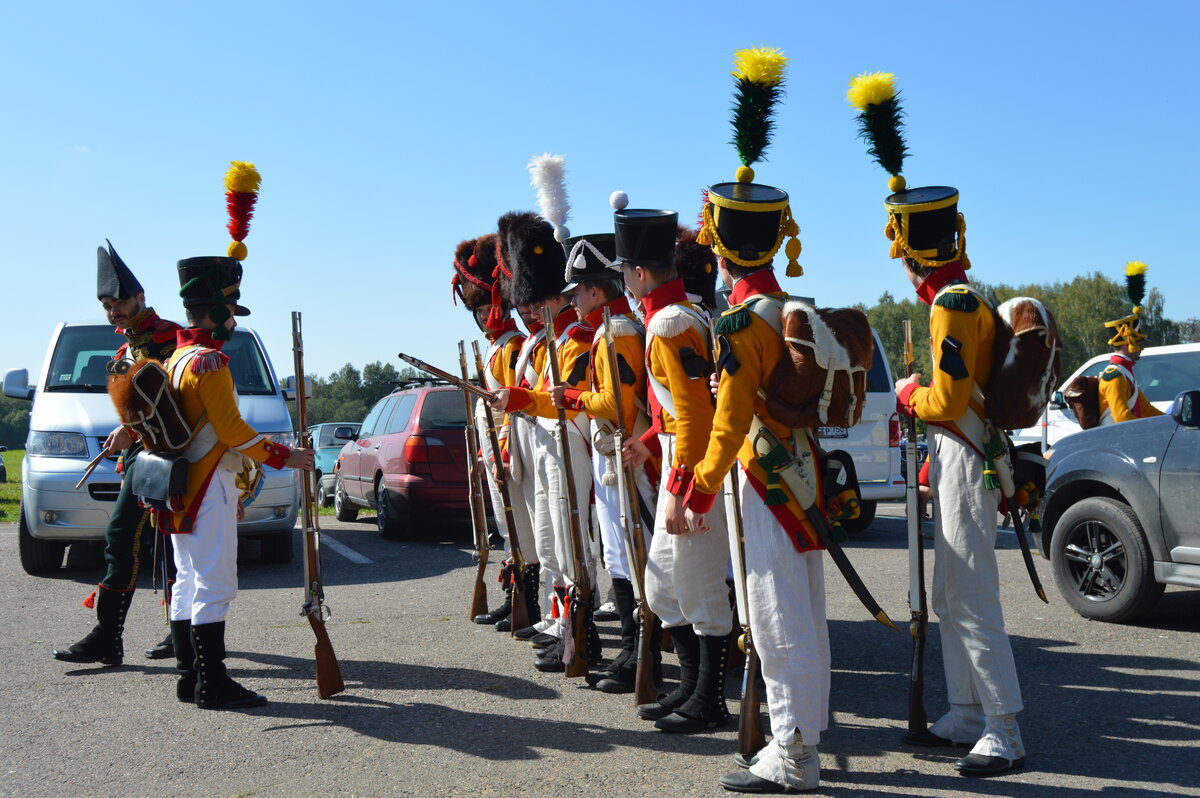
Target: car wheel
[323,497]
[1102,563]
[866,514]
[385,513]
[343,510]
[279,547]
[38,556]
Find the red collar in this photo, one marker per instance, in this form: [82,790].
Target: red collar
[197,336]
[616,307]
[941,277]
[534,327]
[509,325]
[565,318]
[1118,359]
[760,281]
[140,323]
[672,293]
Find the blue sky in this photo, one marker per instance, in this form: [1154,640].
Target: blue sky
[386,133]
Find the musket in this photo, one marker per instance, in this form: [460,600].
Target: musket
[465,385]
[918,607]
[329,674]
[575,658]
[520,609]
[475,498]
[750,737]
[644,691]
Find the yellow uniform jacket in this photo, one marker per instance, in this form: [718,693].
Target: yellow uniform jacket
[207,398]
[573,349]
[1120,397]
[598,399]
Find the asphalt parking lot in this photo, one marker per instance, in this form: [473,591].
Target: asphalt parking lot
[438,706]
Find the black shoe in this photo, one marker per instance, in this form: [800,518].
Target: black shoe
[98,645]
[542,640]
[745,781]
[504,625]
[526,633]
[743,761]
[552,662]
[164,650]
[618,682]
[495,615]
[928,739]
[214,688]
[677,723]
[980,765]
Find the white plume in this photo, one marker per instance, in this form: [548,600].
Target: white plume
[547,174]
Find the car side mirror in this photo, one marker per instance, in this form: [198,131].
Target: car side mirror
[289,388]
[1057,402]
[1186,409]
[16,384]
[345,434]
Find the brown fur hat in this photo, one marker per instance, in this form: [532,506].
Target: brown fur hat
[697,265]
[470,284]
[531,261]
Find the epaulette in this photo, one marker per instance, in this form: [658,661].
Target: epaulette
[669,322]
[623,325]
[581,332]
[734,319]
[957,297]
[208,360]
[1111,373]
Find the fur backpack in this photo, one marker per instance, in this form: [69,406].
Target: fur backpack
[1025,364]
[1082,395]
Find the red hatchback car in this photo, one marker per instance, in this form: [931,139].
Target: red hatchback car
[408,460]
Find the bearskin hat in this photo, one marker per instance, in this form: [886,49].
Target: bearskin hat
[473,278]
[531,262]
[697,265]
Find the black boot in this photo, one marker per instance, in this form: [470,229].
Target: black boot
[687,648]
[185,661]
[214,688]
[622,673]
[103,644]
[164,650]
[533,589]
[503,611]
[705,709]
[552,661]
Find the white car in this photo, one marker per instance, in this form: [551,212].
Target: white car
[72,415]
[1162,373]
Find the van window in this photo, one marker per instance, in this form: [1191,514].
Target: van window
[372,420]
[443,410]
[80,361]
[251,377]
[1163,377]
[877,377]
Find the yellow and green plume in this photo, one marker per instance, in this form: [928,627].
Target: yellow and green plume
[880,121]
[1135,282]
[759,73]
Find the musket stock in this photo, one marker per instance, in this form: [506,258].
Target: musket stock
[582,589]
[329,673]
[475,499]
[520,609]
[465,385]
[919,622]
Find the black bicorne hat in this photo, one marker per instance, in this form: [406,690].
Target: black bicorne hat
[113,277]
[645,237]
[531,262]
[924,224]
[590,259]
[212,280]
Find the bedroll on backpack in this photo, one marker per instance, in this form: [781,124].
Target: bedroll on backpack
[1025,364]
[822,378]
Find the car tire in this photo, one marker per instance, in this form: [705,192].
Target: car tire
[323,497]
[38,556]
[1102,562]
[343,509]
[866,514]
[278,548]
[387,518]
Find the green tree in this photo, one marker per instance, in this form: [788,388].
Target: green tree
[14,422]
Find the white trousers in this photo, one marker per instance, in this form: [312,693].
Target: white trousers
[966,582]
[786,590]
[608,515]
[206,558]
[520,511]
[552,482]
[685,574]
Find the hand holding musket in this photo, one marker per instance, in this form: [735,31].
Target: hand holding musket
[919,622]
[520,609]
[329,674]
[644,691]
[576,660]
[475,498]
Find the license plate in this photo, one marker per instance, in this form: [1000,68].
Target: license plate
[833,432]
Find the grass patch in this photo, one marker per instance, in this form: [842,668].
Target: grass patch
[10,490]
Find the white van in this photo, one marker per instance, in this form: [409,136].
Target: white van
[71,417]
[873,443]
[1162,373]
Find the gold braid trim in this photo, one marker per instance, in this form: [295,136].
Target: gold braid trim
[901,249]
[787,229]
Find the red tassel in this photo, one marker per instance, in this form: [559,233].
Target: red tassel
[241,211]
[495,319]
[554,613]
[90,601]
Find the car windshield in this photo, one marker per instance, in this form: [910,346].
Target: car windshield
[443,410]
[1163,377]
[81,357]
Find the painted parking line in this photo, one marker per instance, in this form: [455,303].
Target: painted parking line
[344,550]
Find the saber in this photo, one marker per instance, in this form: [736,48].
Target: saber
[469,387]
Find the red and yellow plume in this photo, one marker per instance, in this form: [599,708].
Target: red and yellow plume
[241,192]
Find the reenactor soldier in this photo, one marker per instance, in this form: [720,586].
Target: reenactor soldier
[130,525]
[475,283]
[685,574]
[928,236]
[1120,397]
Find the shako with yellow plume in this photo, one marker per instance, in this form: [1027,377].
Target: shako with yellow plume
[214,282]
[1125,329]
[743,221]
[923,224]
